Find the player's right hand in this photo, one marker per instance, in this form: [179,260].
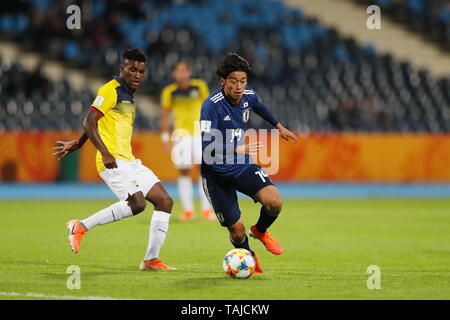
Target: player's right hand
[109,161]
[250,148]
[63,148]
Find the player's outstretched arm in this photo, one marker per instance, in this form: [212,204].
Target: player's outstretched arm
[264,112]
[91,129]
[286,134]
[63,148]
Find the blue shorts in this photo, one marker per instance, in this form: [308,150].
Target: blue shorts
[221,191]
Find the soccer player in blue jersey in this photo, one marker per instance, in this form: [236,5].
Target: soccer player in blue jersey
[223,122]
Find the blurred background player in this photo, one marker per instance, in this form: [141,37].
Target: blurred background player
[183,99]
[228,110]
[109,126]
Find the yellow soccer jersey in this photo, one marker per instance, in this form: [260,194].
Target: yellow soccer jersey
[185,104]
[116,106]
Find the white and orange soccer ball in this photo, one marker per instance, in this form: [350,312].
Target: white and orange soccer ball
[239,263]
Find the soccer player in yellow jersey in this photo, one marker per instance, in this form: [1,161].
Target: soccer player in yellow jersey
[109,125]
[184,99]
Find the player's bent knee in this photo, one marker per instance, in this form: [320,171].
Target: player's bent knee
[165,204]
[274,205]
[137,206]
[137,203]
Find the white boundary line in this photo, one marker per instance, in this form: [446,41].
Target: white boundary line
[52,296]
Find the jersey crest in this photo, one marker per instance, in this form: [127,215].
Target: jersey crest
[245,115]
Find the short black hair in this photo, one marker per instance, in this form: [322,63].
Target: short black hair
[232,62]
[134,54]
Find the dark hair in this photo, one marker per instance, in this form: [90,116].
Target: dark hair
[181,62]
[232,62]
[134,54]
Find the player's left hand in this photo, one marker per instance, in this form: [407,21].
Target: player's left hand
[250,149]
[287,134]
[63,148]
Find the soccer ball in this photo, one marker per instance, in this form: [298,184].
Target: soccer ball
[239,263]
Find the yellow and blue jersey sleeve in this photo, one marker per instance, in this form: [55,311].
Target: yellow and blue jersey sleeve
[203,87]
[166,96]
[106,98]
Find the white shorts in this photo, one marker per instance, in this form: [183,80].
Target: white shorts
[187,151]
[129,178]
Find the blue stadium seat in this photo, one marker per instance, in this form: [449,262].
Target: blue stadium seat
[309,75]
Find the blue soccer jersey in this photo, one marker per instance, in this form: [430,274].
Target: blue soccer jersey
[223,127]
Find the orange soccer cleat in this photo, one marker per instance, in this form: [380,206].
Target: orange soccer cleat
[186,215]
[257,266]
[154,265]
[267,239]
[208,215]
[76,234]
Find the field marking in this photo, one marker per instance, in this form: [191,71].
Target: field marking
[52,296]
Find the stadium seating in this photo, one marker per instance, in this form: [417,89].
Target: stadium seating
[429,17]
[310,76]
[31,101]
[28,100]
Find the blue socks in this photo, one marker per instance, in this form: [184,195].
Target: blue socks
[265,220]
[243,244]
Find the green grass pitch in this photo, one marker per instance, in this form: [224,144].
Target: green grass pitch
[328,246]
